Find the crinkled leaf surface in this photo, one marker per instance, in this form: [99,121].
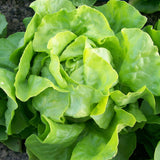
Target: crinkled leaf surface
[122,15]
[83,97]
[52,104]
[41,9]
[83,2]
[138,66]
[103,144]
[78,21]
[74,69]
[56,142]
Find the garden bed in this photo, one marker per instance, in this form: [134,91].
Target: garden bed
[15,11]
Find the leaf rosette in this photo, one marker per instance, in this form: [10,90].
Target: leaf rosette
[69,60]
[83,71]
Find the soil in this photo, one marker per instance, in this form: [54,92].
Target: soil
[15,11]
[6,154]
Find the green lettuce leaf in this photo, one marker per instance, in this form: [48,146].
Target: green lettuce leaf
[35,84]
[50,6]
[3,26]
[136,112]
[26,21]
[41,9]
[122,15]
[127,144]
[73,21]
[154,33]
[98,144]
[98,72]
[56,142]
[14,143]
[52,104]
[122,100]
[83,2]
[103,113]
[146,6]
[157,152]
[8,100]
[7,46]
[82,100]
[140,61]
[86,81]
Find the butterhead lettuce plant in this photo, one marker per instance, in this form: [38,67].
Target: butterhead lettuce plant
[86,79]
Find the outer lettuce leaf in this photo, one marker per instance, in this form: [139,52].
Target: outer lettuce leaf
[127,144]
[95,146]
[154,33]
[99,144]
[9,104]
[149,137]
[140,61]
[7,46]
[158,24]
[14,143]
[122,100]
[21,119]
[52,104]
[56,142]
[43,8]
[146,6]
[3,25]
[157,99]
[157,152]
[122,15]
[26,21]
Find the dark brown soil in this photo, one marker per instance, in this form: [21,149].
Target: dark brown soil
[15,11]
[6,154]
[152,18]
